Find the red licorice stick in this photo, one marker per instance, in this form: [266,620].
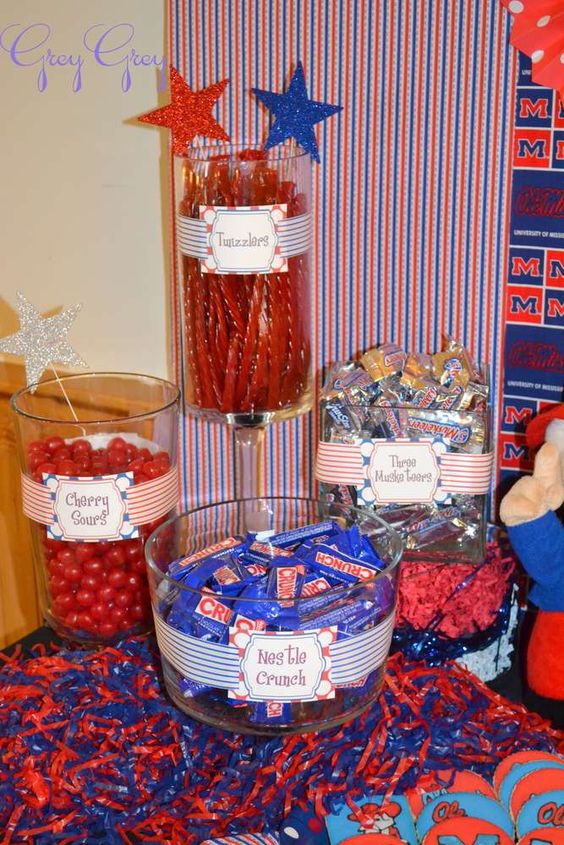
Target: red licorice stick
[217,365]
[227,286]
[250,341]
[195,390]
[254,392]
[220,327]
[230,374]
[204,363]
[277,320]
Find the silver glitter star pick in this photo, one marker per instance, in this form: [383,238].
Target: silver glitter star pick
[41,340]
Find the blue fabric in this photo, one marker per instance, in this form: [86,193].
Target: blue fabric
[540,547]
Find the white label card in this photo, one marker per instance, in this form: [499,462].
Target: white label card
[91,508]
[278,666]
[403,471]
[243,239]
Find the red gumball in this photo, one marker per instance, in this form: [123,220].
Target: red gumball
[53,443]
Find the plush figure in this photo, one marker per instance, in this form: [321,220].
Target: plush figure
[537,536]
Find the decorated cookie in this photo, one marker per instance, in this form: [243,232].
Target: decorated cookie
[431,788]
[543,836]
[391,818]
[534,783]
[542,812]
[459,805]
[466,832]
[518,758]
[519,771]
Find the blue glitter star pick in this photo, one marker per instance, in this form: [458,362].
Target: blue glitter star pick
[295,114]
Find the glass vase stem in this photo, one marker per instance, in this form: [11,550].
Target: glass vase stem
[250,442]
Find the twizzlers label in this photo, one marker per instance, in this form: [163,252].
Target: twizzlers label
[244,239]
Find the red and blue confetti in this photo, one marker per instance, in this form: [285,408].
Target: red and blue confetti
[92,751]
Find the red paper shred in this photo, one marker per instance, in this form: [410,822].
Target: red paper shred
[92,751]
[455,599]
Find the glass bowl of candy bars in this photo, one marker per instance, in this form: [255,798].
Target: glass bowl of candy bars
[274,615]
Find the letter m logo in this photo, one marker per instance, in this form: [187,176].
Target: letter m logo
[531,149]
[515,416]
[555,307]
[525,266]
[481,839]
[522,305]
[513,452]
[534,108]
[556,269]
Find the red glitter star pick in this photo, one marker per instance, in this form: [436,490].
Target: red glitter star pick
[189,113]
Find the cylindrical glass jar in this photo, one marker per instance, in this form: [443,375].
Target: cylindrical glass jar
[270,665]
[99,473]
[243,231]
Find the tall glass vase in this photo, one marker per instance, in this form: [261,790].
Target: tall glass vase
[243,230]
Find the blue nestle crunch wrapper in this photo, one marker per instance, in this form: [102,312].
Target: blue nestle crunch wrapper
[338,567]
[229,578]
[285,582]
[211,618]
[187,564]
[190,688]
[271,713]
[369,606]
[351,542]
[256,570]
[180,615]
[311,596]
[350,618]
[241,622]
[357,545]
[265,608]
[296,536]
[260,551]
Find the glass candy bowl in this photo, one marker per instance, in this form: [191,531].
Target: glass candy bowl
[247,659]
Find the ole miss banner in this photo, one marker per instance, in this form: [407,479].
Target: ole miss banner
[534,301]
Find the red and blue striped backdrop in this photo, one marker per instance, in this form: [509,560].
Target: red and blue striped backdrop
[413,189]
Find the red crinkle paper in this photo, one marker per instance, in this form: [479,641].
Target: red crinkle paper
[91,750]
[454,599]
